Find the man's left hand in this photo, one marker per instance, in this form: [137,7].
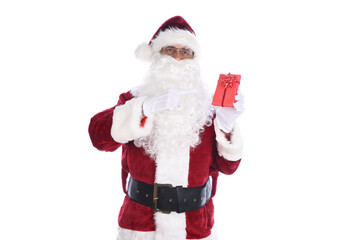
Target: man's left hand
[226,116]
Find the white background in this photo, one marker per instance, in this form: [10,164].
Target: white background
[61,62]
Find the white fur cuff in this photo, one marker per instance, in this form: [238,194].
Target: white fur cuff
[230,150]
[126,121]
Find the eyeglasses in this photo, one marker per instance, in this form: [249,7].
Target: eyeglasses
[171,51]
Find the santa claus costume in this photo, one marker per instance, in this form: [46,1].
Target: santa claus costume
[183,148]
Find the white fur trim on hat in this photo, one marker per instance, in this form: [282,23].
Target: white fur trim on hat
[170,37]
[175,36]
[126,121]
[231,150]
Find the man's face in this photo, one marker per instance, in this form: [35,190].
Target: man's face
[178,52]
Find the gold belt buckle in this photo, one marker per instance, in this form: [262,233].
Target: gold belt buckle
[156,197]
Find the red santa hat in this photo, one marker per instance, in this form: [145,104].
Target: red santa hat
[175,31]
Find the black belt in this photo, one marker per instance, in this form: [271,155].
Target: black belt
[165,198]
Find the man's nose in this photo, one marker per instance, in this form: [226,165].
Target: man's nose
[178,56]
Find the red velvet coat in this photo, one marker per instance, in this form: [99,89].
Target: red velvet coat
[205,162]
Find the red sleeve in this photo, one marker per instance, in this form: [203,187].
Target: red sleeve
[226,166]
[100,127]
[221,164]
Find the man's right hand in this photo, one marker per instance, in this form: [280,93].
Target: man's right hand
[169,100]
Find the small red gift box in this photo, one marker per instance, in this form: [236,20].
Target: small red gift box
[226,90]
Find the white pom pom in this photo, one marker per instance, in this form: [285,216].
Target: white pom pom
[144,52]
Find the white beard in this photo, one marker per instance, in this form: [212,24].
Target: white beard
[178,130]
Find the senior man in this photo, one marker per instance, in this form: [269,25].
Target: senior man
[173,143]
